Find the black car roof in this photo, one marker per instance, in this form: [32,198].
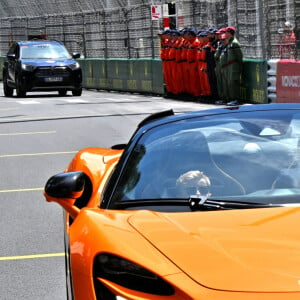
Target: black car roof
[168,116]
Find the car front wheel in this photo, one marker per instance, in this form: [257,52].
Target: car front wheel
[8,91]
[62,92]
[77,92]
[20,92]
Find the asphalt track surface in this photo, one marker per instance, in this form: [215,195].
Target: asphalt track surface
[39,135]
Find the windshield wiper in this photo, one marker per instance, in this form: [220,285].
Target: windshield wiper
[203,203]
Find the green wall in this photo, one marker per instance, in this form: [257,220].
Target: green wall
[145,76]
[132,75]
[254,81]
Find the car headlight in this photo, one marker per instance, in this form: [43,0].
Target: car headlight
[26,67]
[74,66]
[130,275]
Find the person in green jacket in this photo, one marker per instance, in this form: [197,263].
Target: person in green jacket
[221,61]
[230,68]
[219,49]
[233,67]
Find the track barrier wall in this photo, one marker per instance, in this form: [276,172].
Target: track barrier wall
[145,76]
[254,81]
[272,79]
[127,75]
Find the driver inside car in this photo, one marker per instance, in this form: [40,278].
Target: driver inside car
[193,183]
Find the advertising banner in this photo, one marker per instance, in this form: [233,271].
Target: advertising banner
[288,81]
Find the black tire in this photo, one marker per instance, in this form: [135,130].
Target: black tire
[8,91]
[77,92]
[62,93]
[20,92]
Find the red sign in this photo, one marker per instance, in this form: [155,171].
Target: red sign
[166,23]
[156,12]
[288,81]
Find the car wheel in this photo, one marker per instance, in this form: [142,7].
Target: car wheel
[20,92]
[62,93]
[77,92]
[8,91]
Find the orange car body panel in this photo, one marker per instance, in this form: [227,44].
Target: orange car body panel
[241,253]
[229,255]
[97,164]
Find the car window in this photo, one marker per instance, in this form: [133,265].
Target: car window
[44,51]
[240,155]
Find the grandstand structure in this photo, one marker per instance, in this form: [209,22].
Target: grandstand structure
[126,28]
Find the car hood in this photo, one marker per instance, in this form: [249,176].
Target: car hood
[48,62]
[237,250]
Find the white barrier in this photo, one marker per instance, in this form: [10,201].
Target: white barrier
[272,75]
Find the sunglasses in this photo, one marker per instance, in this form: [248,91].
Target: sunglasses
[204,190]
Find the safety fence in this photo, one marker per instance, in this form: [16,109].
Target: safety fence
[266,29]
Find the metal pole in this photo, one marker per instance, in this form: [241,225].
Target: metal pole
[152,37]
[297,28]
[260,26]
[64,37]
[128,33]
[83,36]
[266,29]
[105,35]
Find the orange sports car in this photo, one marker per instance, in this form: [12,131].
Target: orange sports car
[197,206]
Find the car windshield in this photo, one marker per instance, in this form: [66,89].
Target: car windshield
[242,156]
[44,51]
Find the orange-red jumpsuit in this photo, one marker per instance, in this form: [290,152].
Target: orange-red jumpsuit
[184,66]
[202,70]
[172,66]
[194,84]
[179,70]
[163,56]
[167,66]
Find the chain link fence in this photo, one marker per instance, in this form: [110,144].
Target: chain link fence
[124,29]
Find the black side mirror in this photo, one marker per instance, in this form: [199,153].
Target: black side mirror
[66,185]
[76,55]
